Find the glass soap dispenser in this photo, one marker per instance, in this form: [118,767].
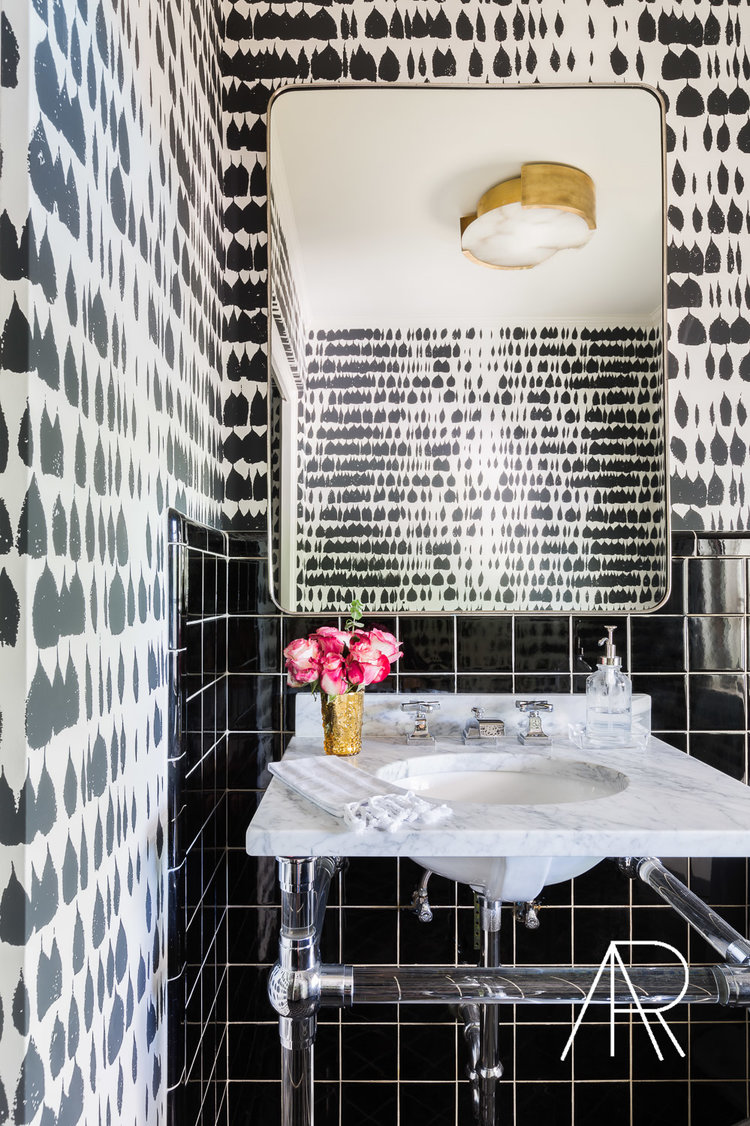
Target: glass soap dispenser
[609,696]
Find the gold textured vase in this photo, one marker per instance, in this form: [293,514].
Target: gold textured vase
[342,723]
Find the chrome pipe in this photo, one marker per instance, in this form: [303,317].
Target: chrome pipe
[730,944]
[297,1067]
[294,981]
[534,985]
[326,868]
[490,1068]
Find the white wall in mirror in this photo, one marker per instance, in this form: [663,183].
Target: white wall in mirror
[370,189]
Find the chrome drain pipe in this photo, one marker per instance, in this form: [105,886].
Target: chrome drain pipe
[344,986]
[717,932]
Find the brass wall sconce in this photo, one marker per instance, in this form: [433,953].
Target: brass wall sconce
[521,222]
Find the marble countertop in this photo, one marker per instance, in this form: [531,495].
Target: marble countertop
[673,805]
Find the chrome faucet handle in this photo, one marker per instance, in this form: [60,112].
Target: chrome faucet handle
[535,733]
[421,708]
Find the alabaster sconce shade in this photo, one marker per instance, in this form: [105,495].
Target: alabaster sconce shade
[521,222]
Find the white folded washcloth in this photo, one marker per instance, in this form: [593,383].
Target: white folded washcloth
[361,799]
[391,811]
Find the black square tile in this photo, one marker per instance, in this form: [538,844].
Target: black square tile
[721,1104]
[366,1104]
[603,885]
[675,604]
[550,945]
[195,534]
[251,879]
[254,1102]
[484,644]
[432,943]
[247,545]
[253,702]
[716,643]
[441,891]
[655,1104]
[327,1048]
[716,586]
[588,632]
[541,685]
[428,1102]
[428,644]
[672,1067]
[371,882]
[253,934]
[677,739]
[538,1051]
[657,644]
[597,1101]
[248,995]
[718,1051]
[542,644]
[719,880]
[591,1048]
[327,1100]
[657,924]
[418,684]
[485,682]
[192,637]
[369,936]
[548,1103]
[369,1051]
[725,751]
[253,644]
[248,756]
[247,587]
[193,589]
[593,930]
[683,543]
[717,703]
[668,700]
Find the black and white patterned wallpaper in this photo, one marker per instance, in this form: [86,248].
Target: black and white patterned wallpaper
[486,469]
[110,318]
[695,53]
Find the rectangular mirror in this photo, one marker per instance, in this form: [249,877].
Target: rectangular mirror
[448,435]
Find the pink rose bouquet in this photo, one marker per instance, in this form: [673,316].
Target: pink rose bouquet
[335,661]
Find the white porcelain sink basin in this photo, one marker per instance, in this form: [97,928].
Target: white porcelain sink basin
[495,778]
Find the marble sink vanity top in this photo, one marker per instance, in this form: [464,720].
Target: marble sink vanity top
[670,805]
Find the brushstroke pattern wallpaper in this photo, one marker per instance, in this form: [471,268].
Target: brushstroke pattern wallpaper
[514,468]
[694,53]
[110,317]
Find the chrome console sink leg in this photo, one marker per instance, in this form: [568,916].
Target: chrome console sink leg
[294,982]
[490,1068]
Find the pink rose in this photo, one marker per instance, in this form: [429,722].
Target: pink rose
[375,665]
[386,643]
[331,640]
[355,671]
[333,680]
[302,661]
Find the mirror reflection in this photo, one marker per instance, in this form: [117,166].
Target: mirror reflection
[445,435]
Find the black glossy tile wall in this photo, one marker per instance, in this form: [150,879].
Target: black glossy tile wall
[694,664]
[198,766]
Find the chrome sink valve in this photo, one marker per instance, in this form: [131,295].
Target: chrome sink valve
[528,914]
[421,708]
[534,734]
[484,729]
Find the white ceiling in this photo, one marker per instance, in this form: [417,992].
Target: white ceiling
[370,185]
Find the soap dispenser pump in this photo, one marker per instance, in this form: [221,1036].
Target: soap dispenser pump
[609,696]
